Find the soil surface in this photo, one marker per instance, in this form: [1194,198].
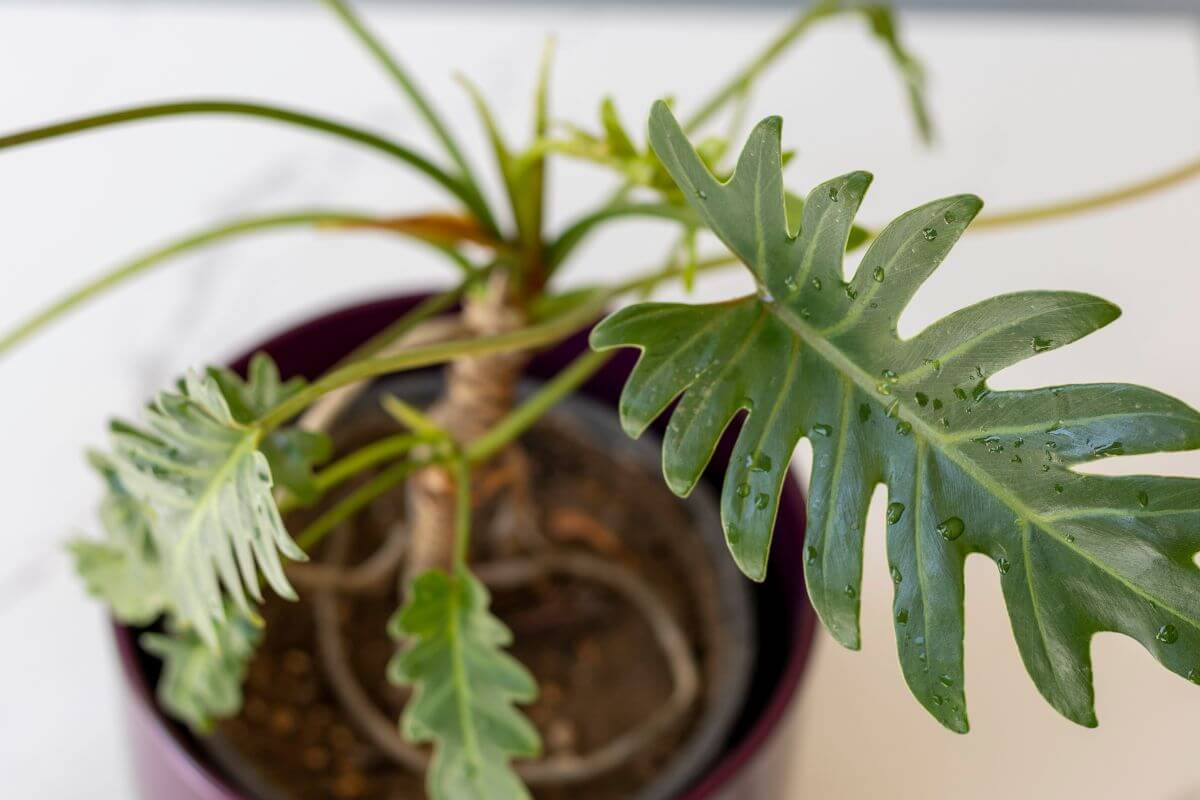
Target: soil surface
[596,660]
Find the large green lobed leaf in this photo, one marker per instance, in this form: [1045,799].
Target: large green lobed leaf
[968,469]
[466,688]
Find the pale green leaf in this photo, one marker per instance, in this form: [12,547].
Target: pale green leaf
[466,687]
[291,451]
[202,682]
[968,469]
[122,569]
[206,491]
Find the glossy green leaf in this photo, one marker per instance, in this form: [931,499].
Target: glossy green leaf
[291,451]
[206,491]
[466,688]
[202,682]
[122,569]
[968,469]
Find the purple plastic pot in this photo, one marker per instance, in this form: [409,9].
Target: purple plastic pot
[751,766]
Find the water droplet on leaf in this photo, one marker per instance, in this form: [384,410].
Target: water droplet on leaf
[930,234]
[879,275]
[951,528]
[894,512]
[1041,345]
[1167,634]
[821,429]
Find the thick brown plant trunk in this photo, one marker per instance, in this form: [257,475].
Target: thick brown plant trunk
[479,391]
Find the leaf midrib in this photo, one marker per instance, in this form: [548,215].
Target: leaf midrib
[848,367]
[212,489]
[461,681]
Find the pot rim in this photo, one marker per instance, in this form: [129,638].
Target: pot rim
[728,765]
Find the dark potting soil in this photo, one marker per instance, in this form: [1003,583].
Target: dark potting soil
[596,660]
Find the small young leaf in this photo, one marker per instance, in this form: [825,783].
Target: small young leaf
[969,469]
[291,452]
[206,490]
[465,689]
[122,569]
[619,143]
[200,682]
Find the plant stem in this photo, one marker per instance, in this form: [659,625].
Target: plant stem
[365,457]
[429,307]
[345,468]
[456,186]
[525,415]
[1111,197]
[541,334]
[741,80]
[422,104]
[156,257]
[462,511]
[526,338]
[509,428]
[558,250]
[346,508]
[506,430]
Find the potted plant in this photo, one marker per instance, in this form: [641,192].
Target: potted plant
[303,561]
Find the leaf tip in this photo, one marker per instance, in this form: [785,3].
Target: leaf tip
[752,566]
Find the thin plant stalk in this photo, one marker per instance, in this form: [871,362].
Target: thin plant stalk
[1111,197]
[413,92]
[456,186]
[158,256]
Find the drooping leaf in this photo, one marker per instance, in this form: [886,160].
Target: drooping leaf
[202,682]
[882,20]
[291,451]
[207,494]
[122,569]
[466,688]
[968,469]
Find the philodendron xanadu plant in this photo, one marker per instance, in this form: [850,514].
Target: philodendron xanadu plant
[196,490]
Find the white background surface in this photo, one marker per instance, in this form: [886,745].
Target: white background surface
[1029,109]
